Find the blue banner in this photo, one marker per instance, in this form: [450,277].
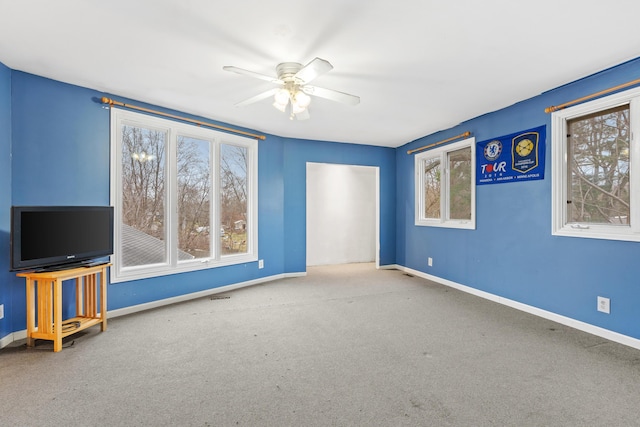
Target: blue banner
[511,158]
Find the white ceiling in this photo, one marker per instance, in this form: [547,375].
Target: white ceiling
[419,66]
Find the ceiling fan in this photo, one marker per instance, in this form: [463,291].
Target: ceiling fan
[294,88]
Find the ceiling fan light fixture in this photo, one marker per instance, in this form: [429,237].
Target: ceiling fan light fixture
[297,109]
[282,97]
[280,107]
[301,99]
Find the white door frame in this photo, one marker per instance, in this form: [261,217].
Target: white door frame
[377,204]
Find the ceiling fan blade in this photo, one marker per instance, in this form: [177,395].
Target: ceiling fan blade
[331,94]
[313,69]
[251,74]
[258,97]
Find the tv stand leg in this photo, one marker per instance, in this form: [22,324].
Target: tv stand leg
[103,299]
[31,315]
[57,315]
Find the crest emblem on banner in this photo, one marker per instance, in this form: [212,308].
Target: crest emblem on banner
[524,152]
[493,150]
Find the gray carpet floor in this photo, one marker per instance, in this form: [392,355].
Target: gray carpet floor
[344,346]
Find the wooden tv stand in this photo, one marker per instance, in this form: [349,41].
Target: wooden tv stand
[44,297]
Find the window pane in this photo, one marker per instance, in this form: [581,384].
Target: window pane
[598,153]
[143,196]
[431,182]
[233,199]
[460,181]
[194,189]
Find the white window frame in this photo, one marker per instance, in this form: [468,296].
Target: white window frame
[560,173]
[174,129]
[442,153]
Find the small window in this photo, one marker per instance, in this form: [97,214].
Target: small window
[445,186]
[593,184]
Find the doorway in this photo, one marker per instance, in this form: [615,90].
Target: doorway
[342,214]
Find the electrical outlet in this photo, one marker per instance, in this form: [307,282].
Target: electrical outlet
[604,305]
[261,263]
[1,311]
[430,262]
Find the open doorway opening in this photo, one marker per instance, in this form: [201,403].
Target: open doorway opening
[342,214]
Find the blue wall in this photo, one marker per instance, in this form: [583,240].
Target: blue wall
[512,253]
[296,155]
[7,288]
[61,154]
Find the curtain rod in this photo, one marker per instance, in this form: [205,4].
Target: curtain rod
[462,135]
[593,95]
[111,102]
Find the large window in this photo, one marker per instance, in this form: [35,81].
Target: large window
[595,169]
[185,197]
[445,190]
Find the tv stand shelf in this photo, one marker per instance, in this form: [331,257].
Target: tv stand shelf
[44,298]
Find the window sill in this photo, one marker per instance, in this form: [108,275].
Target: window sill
[598,232]
[465,225]
[159,270]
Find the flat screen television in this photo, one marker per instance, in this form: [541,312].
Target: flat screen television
[58,237]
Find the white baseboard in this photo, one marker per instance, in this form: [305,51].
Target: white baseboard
[6,340]
[567,321]
[18,335]
[13,337]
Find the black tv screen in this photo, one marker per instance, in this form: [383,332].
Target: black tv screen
[49,237]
